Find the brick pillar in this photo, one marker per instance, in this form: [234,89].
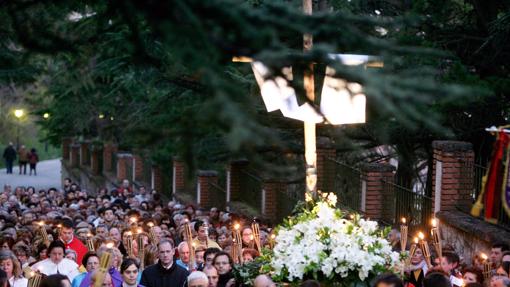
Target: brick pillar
[156,179]
[325,166]
[66,143]
[137,168]
[84,153]
[269,204]
[377,197]
[109,151]
[453,175]
[94,159]
[204,193]
[178,176]
[234,179]
[75,155]
[124,161]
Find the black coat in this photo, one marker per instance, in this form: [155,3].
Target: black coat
[157,276]
[9,153]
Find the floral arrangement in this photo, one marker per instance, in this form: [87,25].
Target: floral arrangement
[321,243]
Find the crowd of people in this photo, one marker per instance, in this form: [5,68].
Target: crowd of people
[25,157]
[129,237]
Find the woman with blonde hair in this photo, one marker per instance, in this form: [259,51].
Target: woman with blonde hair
[10,264]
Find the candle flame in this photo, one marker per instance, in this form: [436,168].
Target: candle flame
[236,226]
[89,234]
[140,230]
[32,274]
[41,223]
[59,225]
[251,237]
[150,224]
[352,216]
[484,256]
[416,240]
[434,222]
[273,236]
[129,233]
[403,220]
[109,245]
[133,219]
[421,235]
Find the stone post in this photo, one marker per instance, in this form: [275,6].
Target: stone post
[178,176]
[109,151]
[75,155]
[204,193]
[234,175]
[137,168]
[66,144]
[269,204]
[377,196]
[124,161]
[156,179]
[453,175]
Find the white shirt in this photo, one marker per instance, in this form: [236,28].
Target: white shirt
[18,282]
[66,267]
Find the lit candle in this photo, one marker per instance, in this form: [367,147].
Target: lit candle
[44,234]
[436,238]
[403,234]
[90,242]
[238,243]
[129,243]
[152,235]
[141,248]
[188,236]
[487,267]
[104,264]
[35,279]
[424,246]
[256,235]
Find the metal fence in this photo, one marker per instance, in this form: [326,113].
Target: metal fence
[288,197]
[402,202]
[347,185]
[218,196]
[251,193]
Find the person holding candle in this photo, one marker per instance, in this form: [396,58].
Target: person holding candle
[166,272]
[112,271]
[247,237]
[57,264]
[91,263]
[394,239]
[202,238]
[184,255]
[418,268]
[10,264]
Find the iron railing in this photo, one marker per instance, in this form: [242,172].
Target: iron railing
[288,197]
[218,196]
[402,202]
[347,185]
[251,193]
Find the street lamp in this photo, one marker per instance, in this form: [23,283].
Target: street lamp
[18,113]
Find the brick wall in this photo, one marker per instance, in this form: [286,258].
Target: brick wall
[137,168]
[234,179]
[66,147]
[109,151]
[178,175]
[453,174]
[75,155]
[124,161]
[376,197]
[204,193]
[157,179]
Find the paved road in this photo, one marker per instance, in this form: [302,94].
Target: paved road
[48,175]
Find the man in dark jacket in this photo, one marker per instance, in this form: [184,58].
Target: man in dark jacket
[166,272]
[9,156]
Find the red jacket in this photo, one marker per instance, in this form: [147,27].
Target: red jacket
[77,246]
